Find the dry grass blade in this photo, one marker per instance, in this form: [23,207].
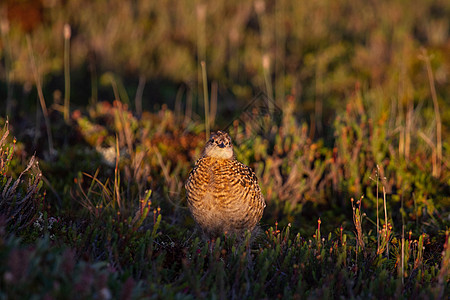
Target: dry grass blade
[426,58]
[139,93]
[117,176]
[386,221]
[41,95]
[67,35]
[105,192]
[206,100]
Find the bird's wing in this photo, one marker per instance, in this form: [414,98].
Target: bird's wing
[246,185]
[196,183]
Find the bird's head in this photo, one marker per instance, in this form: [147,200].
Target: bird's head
[219,146]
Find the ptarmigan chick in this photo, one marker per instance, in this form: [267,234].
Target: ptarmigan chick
[223,194]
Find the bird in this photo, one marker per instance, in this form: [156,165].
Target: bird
[223,194]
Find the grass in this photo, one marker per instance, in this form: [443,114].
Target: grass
[67,34]
[127,224]
[360,112]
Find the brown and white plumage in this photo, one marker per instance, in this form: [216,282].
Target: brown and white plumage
[223,194]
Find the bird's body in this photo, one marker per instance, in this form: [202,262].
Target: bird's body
[223,194]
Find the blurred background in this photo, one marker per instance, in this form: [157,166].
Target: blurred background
[319,52]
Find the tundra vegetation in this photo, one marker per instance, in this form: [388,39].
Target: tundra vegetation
[342,108]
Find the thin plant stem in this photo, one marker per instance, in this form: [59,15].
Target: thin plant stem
[93,72]
[426,58]
[318,101]
[178,100]
[378,218]
[38,121]
[403,254]
[41,95]
[408,128]
[260,9]
[201,10]
[401,141]
[280,46]
[205,99]
[117,175]
[213,109]
[115,88]
[139,93]
[403,243]
[188,110]
[386,221]
[67,35]
[415,210]
[269,89]
[122,91]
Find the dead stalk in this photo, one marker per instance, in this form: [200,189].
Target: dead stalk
[41,95]
[205,99]
[426,58]
[386,221]
[67,35]
[139,93]
[378,218]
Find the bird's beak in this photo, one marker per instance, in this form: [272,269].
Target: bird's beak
[222,145]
